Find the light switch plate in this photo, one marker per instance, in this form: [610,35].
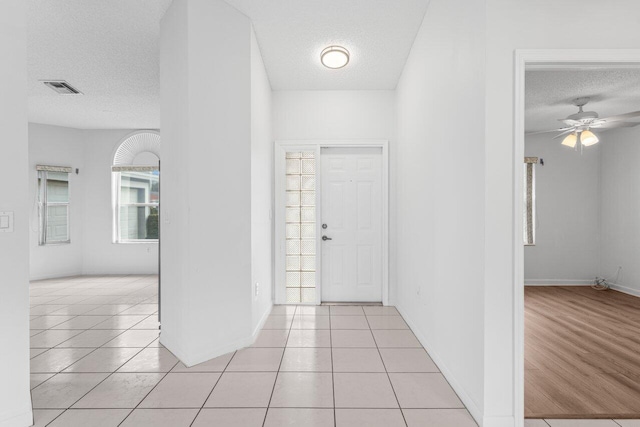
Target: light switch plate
[6,222]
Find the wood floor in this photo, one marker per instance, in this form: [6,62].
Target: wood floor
[582,353]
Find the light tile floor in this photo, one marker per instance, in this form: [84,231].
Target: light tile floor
[96,361]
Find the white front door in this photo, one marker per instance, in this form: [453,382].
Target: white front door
[351,221]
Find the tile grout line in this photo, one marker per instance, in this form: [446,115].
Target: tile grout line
[152,388]
[214,387]
[333,379]
[81,397]
[264,421]
[442,375]
[167,373]
[387,372]
[258,407]
[93,388]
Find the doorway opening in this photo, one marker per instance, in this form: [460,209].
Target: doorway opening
[331,219]
[569,337]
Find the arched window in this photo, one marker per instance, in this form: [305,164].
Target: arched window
[136,188]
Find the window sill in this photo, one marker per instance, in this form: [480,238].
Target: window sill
[137,242]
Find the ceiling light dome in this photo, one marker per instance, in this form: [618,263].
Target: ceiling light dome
[334,57]
[588,138]
[571,140]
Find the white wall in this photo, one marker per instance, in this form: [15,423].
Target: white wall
[174,69]
[205,81]
[261,187]
[440,193]
[567,192]
[101,255]
[522,24]
[57,146]
[620,204]
[91,250]
[343,115]
[327,115]
[15,400]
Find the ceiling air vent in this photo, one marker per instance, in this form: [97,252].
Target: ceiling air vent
[62,87]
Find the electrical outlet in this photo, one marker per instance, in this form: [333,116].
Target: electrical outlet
[257,288]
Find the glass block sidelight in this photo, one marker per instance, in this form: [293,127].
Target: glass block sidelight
[307,231]
[308,295]
[292,231]
[308,279]
[294,295]
[293,279]
[293,247]
[300,227]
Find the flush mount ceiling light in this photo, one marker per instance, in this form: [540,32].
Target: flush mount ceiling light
[334,57]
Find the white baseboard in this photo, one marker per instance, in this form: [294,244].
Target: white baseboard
[476,413]
[55,275]
[551,282]
[261,323]
[170,344]
[18,418]
[118,272]
[625,290]
[214,352]
[558,282]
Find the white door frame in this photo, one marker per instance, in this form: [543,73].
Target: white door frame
[316,145]
[541,59]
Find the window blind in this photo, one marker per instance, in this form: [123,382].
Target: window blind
[134,168]
[65,169]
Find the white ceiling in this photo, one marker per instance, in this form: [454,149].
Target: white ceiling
[292,33]
[108,49]
[549,94]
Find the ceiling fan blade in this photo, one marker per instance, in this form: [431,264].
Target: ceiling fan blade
[621,117]
[613,125]
[550,130]
[570,122]
[563,133]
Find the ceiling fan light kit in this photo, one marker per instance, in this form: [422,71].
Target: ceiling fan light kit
[588,138]
[571,140]
[579,125]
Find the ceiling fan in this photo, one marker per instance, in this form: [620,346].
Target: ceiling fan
[579,126]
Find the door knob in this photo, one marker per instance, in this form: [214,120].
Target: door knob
[326,238]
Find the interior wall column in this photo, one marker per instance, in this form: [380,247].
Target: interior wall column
[205,69]
[15,400]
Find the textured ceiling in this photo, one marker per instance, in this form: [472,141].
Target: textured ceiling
[292,33]
[107,49]
[549,94]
